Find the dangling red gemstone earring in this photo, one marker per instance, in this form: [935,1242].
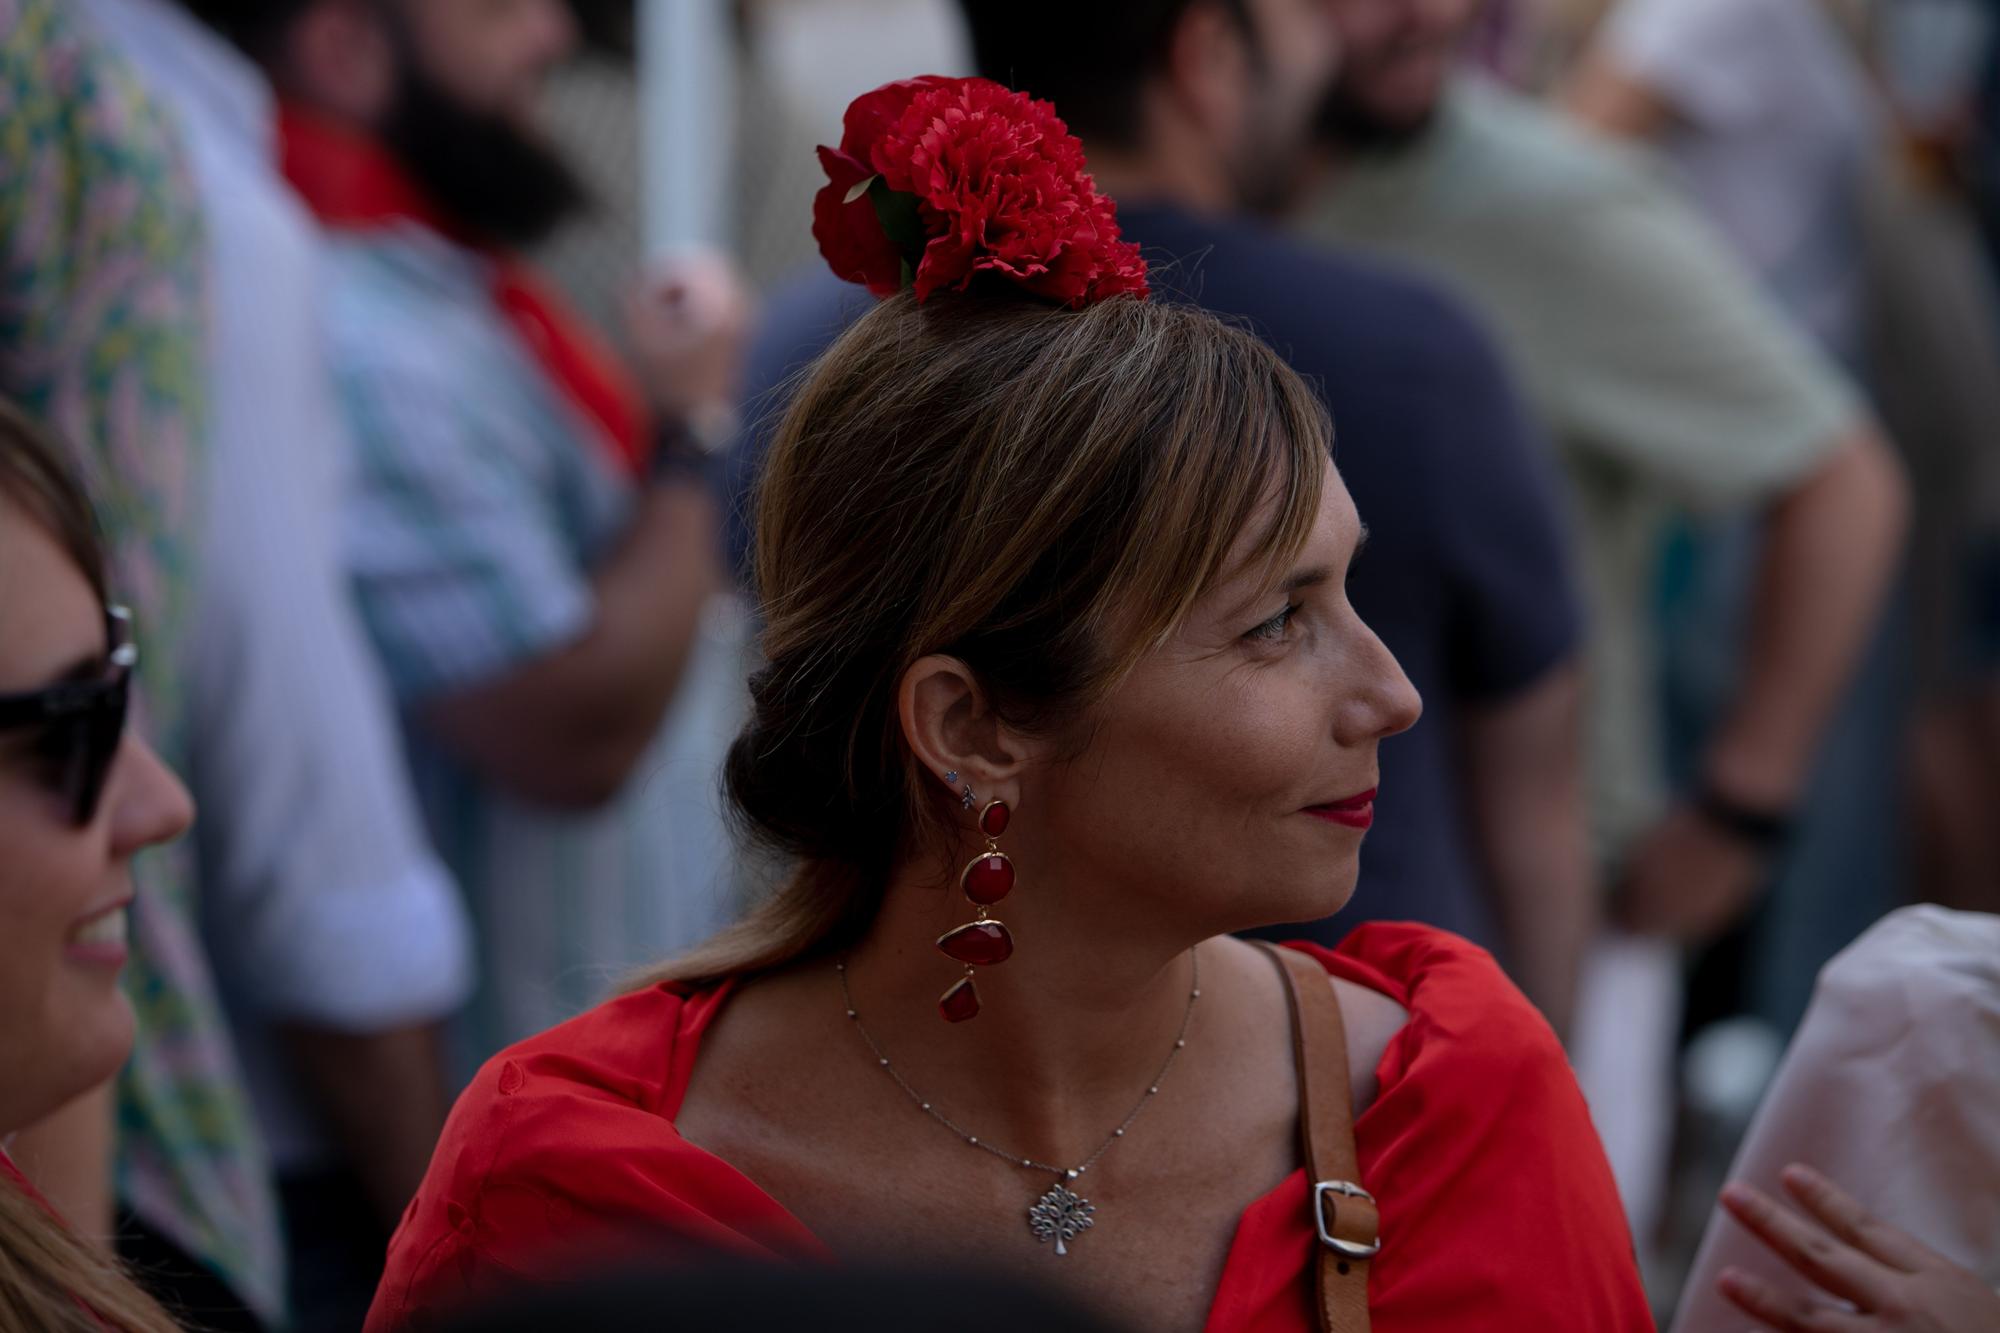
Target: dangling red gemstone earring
[982,941]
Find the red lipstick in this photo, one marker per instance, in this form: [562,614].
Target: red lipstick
[1355,812]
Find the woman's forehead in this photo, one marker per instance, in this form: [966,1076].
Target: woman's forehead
[1332,535]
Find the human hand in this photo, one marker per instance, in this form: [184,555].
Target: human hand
[1688,879]
[689,324]
[1893,1282]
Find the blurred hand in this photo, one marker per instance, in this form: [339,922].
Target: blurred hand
[1688,879]
[1891,1280]
[690,325]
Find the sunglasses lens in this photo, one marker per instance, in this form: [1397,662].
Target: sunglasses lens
[61,756]
[102,731]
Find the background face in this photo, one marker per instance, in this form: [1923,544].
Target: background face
[1286,76]
[491,55]
[1188,804]
[1396,56]
[64,1024]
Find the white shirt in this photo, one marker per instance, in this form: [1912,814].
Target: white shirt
[1778,124]
[1891,1088]
[322,902]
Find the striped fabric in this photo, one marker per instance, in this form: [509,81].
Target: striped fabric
[481,502]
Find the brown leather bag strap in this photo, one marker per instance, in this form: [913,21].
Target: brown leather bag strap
[1343,1212]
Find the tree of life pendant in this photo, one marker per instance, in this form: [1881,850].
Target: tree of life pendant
[1061,1216]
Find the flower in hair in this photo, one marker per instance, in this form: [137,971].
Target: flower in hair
[938,180]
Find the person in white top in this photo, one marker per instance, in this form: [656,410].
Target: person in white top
[340,941]
[1891,1088]
[1768,118]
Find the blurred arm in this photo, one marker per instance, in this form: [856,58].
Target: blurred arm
[388,1139]
[1615,101]
[1830,550]
[1524,778]
[565,729]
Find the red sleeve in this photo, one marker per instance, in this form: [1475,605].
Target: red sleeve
[559,1156]
[1498,1207]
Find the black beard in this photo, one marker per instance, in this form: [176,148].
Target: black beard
[485,174]
[1346,124]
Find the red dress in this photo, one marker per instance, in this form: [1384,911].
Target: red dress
[1498,1210]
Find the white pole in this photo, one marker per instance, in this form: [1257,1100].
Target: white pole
[687,138]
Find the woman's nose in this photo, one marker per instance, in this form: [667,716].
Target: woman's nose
[1385,701]
[149,806]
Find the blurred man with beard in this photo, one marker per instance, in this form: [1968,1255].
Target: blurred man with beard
[530,540]
[1662,376]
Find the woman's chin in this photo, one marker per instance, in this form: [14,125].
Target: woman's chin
[1303,909]
[98,1041]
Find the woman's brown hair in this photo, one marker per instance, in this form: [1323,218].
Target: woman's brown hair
[1041,493]
[49,1277]
[36,477]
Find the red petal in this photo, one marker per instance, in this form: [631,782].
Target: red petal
[872,115]
[849,233]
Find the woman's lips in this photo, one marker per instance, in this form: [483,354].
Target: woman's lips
[1355,812]
[100,939]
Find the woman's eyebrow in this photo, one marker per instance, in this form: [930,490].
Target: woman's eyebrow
[1309,577]
[1313,575]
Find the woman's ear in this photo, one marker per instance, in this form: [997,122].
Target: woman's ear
[950,725]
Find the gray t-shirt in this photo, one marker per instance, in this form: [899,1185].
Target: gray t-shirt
[1660,372]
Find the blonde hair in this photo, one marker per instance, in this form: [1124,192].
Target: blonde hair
[1041,493]
[52,1281]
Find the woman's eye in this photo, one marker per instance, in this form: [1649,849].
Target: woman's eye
[1273,630]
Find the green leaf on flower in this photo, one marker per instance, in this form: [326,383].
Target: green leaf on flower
[901,223]
[860,188]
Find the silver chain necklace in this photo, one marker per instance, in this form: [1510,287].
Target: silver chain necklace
[1061,1215]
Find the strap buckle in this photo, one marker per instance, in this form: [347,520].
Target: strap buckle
[1325,1208]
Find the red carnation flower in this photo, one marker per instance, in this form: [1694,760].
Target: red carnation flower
[938,180]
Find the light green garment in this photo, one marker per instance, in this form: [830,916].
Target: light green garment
[1661,374]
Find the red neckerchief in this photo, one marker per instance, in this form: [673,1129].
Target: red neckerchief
[354,184]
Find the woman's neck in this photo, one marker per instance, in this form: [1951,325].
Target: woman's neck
[1071,1029]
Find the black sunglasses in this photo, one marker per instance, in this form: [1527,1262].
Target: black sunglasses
[80,723]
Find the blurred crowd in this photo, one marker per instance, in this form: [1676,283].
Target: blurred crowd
[1662,344]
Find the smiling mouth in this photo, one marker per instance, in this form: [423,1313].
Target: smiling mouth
[1356,812]
[104,937]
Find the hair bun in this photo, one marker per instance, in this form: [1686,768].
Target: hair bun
[790,784]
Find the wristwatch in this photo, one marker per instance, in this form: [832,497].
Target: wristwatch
[1765,830]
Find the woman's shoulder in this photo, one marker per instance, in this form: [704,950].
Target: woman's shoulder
[1479,1148]
[604,1082]
[565,1144]
[1454,992]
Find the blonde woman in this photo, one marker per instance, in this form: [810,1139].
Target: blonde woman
[1062,689]
[79,798]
